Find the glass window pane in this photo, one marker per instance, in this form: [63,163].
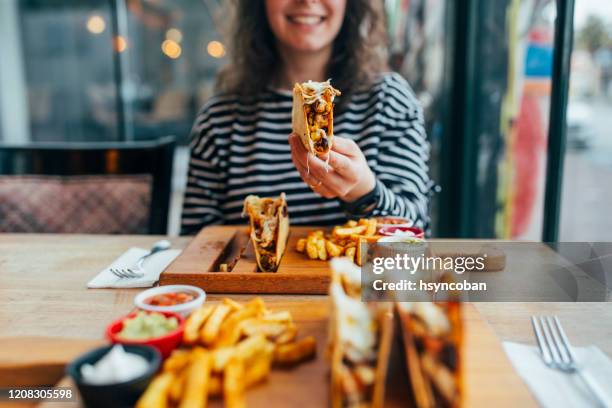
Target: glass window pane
[68,60]
[1,114]
[587,181]
[418,32]
[510,116]
[173,54]
[14,126]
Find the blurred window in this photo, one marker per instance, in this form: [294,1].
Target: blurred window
[1,125]
[511,109]
[418,36]
[68,70]
[510,89]
[117,70]
[587,175]
[172,55]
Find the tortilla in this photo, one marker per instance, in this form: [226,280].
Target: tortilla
[312,115]
[360,341]
[432,338]
[269,229]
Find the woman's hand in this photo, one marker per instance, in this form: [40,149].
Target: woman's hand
[348,176]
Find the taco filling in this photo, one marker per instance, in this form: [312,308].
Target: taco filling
[318,98]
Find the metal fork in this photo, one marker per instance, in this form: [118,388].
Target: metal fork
[557,353]
[132,273]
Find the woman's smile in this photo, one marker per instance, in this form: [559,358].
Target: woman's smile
[304,19]
[305,26]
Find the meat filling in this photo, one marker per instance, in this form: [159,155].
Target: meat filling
[317,113]
[266,223]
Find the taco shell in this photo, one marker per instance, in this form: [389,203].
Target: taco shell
[269,229]
[312,115]
[432,339]
[360,341]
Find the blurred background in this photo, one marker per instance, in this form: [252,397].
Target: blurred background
[128,71]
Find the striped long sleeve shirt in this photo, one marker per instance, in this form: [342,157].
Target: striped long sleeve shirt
[239,149]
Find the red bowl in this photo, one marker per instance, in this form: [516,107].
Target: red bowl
[165,344]
[390,231]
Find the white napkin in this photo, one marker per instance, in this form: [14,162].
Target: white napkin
[553,388]
[152,267]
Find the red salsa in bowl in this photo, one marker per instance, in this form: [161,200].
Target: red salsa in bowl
[170,299]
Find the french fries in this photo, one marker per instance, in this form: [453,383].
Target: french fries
[234,384]
[156,393]
[176,388]
[195,389]
[321,251]
[332,249]
[250,346]
[213,325]
[301,245]
[350,252]
[281,317]
[259,369]
[342,232]
[192,326]
[311,246]
[231,328]
[232,347]
[288,335]
[343,240]
[215,387]
[178,360]
[293,353]
[270,330]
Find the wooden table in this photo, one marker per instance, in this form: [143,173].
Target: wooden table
[43,293]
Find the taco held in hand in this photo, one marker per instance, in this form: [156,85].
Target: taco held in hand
[313,115]
[269,221]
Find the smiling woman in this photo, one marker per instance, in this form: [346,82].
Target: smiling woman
[242,142]
[305,27]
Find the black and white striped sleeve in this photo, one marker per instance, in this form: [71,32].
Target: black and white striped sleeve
[205,178]
[402,168]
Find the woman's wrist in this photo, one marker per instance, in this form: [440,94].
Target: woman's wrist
[364,205]
[361,188]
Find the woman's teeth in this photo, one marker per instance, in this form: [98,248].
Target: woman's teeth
[306,20]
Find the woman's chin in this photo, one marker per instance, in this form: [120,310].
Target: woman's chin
[308,45]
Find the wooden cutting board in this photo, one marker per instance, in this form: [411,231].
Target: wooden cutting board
[199,264]
[489,377]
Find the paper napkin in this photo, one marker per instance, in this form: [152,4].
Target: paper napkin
[554,388]
[152,268]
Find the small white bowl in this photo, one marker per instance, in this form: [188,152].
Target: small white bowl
[184,308]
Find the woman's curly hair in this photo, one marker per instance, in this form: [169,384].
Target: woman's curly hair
[359,49]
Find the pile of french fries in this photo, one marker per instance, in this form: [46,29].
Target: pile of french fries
[232,347]
[344,240]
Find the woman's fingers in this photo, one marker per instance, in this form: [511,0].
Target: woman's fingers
[345,147]
[341,164]
[316,185]
[346,175]
[326,179]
